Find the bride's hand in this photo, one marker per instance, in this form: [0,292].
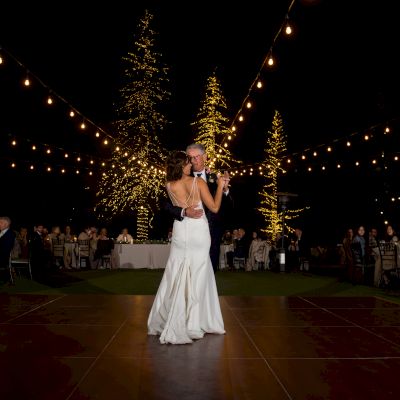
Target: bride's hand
[221,180]
[225,178]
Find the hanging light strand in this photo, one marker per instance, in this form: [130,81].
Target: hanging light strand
[257,83]
[74,112]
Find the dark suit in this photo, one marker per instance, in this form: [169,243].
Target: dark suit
[6,245]
[38,256]
[216,221]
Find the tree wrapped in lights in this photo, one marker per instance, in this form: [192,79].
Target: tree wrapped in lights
[275,147]
[212,125]
[135,179]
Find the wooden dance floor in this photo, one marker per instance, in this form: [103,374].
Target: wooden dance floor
[96,347]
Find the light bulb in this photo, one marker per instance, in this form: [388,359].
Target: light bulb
[83,126]
[27,82]
[270,61]
[71,114]
[49,100]
[248,104]
[288,30]
[259,84]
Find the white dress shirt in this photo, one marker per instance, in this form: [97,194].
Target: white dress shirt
[203,174]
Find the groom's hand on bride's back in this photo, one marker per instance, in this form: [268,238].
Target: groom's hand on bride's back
[193,212]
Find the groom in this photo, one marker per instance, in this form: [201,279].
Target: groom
[198,157]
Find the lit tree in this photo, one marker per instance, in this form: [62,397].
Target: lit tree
[275,147]
[211,123]
[134,181]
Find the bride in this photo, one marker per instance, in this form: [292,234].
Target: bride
[187,305]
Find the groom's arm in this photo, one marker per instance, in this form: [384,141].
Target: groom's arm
[179,213]
[175,211]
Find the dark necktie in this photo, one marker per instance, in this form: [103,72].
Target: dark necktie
[199,174]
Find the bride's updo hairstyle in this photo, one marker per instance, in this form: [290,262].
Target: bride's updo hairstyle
[174,165]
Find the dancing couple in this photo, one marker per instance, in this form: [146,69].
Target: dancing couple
[186,305]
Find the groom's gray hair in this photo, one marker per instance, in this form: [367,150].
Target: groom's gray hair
[196,146]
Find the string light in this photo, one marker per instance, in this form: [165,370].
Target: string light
[267,61]
[83,126]
[51,99]
[33,147]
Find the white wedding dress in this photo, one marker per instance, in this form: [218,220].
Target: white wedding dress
[187,305]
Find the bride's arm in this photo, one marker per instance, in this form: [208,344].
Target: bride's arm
[213,204]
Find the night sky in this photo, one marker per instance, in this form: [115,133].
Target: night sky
[336,76]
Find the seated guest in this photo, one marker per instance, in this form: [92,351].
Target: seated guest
[255,259]
[55,234]
[21,245]
[86,234]
[124,237]
[390,235]
[7,240]
[67,235]
[358,248]
[241,249]
[104,245]
[227,242]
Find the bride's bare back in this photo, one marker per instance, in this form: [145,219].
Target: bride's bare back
[189,191]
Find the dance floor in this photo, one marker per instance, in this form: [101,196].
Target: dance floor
[96,347]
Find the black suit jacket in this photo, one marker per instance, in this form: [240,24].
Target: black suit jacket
[6,245]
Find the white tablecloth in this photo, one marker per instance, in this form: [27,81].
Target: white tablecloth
[152,256]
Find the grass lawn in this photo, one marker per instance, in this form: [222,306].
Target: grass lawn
[142,281]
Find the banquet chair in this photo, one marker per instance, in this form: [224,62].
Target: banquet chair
[10,270]
[58,252]
[17,264]
[103,252]
[388,255]
[83,253]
